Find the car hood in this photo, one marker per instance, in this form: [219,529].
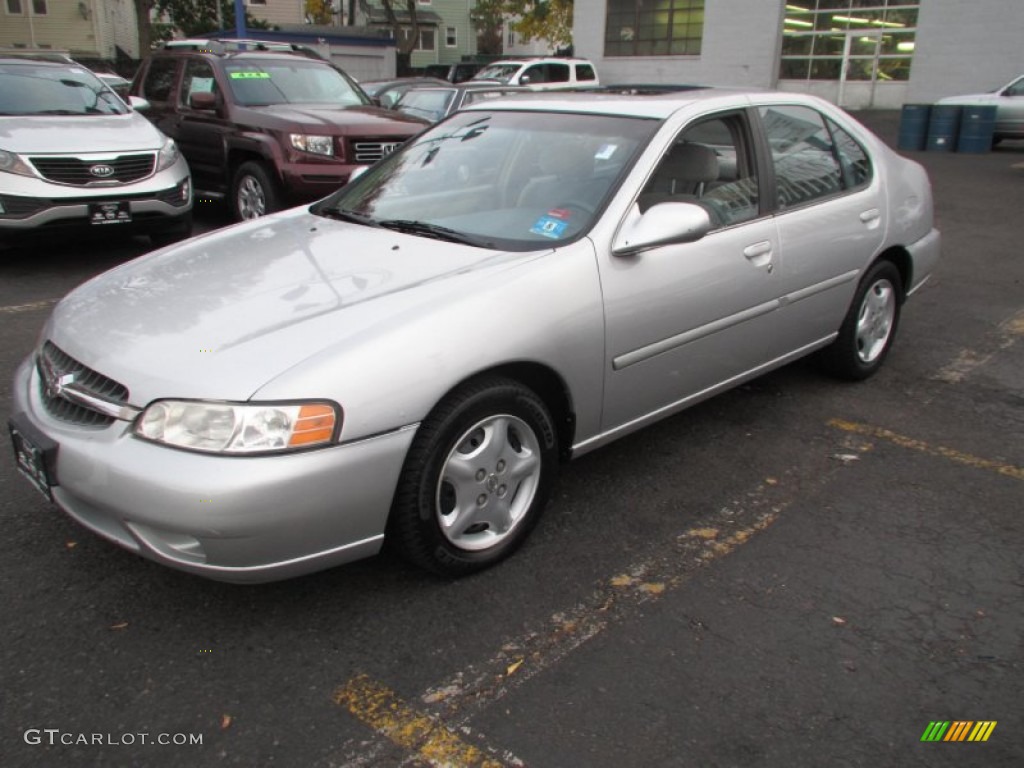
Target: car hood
[46,134]
[339,120]
[219,316]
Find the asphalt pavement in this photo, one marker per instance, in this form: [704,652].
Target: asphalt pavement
[800,572]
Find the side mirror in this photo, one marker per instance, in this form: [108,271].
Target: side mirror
[138,103]
[524,80]
[662,224]
[203,100]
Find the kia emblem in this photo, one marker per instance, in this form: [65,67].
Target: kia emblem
[101,171]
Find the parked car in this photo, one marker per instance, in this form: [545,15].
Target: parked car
[411,358]
[541,73]
[1009,103]
[385,93]
[453,73]
[265,129]
[435,103]
[74,155]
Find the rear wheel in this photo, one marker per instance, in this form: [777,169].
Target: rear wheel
[476,479]
[868,331]
[254,192]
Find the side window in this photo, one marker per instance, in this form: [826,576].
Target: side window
[805,163]
[198,78]
[710,164]
[537,74]
[159,80]
[852,158]
[558,73]
[584,72]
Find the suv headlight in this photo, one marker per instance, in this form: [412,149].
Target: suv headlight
[168,155]
[11,163]
[317,145]
[237,428]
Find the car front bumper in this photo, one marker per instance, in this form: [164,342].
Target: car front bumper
[236,519]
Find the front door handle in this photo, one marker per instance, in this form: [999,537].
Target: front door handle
[759,254]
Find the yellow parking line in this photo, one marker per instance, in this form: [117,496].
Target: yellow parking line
[381,709]
[934,450]
[967,360]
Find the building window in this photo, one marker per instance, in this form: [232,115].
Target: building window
[255,2]
[427,41]
[39,7]
[451,37]
[653,27]
[13,7]
[875,38]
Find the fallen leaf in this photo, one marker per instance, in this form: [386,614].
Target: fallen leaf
[846,458]
[513,667]
[225,722]
[653,589]
[71,544]
[771,481]
[622,581]
[121,625]
[839,621]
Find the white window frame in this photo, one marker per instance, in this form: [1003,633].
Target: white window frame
[452,34]
[19,12]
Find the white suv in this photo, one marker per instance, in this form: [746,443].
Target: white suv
[73,154]
[541,74]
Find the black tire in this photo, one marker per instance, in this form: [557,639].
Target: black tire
[493,429]
[870,325]
[173,235]
[254,192]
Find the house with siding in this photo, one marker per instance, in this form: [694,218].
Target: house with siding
[446,32]
[87,29]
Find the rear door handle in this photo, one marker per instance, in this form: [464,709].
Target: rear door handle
[870,215]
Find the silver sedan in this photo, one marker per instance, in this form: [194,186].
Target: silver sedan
[411,359]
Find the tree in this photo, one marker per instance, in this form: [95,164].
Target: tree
[194,17]
[488,17]
[547,19]
[142,9]
[404,46]
[319,11]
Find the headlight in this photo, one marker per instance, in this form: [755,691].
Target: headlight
[318,145]
[168,156]
[239,428]
[11,163]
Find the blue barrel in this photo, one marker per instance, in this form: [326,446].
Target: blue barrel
[914,126]
[977,124]
[943,127]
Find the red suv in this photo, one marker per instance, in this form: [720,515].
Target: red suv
[265,129]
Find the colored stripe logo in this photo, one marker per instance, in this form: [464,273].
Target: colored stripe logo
[958,730]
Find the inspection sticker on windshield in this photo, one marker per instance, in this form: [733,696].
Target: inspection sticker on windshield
[250,75]
[549,226]
[606,152]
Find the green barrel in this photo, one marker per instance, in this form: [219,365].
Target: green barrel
[943,127]
[977,124]
[914,126]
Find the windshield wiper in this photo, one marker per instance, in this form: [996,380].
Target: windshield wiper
[436,231]
[344,214]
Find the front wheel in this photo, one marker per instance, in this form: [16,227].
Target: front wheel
[476,479]
[868,331]
[253,192]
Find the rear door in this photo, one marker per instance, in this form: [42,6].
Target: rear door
[202,133]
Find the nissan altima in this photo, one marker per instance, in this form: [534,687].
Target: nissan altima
[410,360]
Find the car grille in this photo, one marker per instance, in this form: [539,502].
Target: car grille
[81,173]
[372,151]
[52,364]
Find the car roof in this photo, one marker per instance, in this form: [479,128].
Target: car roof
[655,105]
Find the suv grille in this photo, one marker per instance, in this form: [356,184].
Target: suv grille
[82,173]
[53,363]
[372,151]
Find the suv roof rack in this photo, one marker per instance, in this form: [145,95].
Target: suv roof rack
[221,46]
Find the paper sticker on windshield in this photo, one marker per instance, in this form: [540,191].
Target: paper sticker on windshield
[548,226]
[250,75]
[606,152]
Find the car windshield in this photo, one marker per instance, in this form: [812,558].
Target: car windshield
[502,72]
[31,89]
[498,179]
[428,104]
[292,81]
